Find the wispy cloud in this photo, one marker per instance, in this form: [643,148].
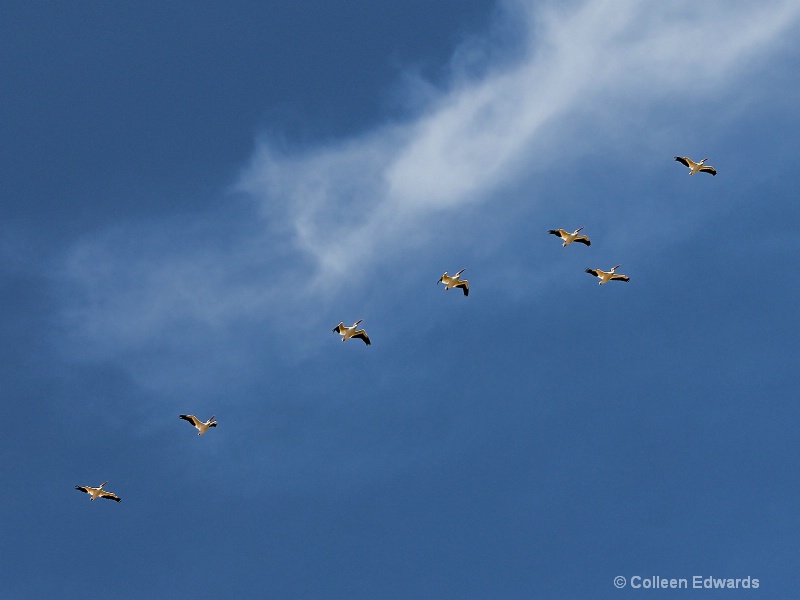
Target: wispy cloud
[337,208]
[601,59]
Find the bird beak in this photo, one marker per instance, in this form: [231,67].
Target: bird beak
[617,267]
[359,321]
[212,418]
[577,230]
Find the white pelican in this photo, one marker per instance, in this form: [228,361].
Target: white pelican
[454,281]
[570,237]
[606,276]
[201,427]
[694,167]
[98,492]
[352,332]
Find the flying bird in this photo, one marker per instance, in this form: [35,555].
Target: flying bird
[606,276]
[352,332]
[454,281]
[694,167]
[199,425]
[570,237]
[98,492]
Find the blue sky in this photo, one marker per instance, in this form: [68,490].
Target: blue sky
[194,196]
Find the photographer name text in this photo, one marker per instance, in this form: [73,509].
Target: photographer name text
[696,582]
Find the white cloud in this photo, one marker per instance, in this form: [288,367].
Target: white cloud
[600,59]
[341,207]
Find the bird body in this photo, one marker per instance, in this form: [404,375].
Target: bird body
[352,332]
[570,237]
[454,281]
[606,276]
[201,426]
[699,167]
[98,492]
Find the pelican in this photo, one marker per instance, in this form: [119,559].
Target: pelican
[98,492]
[454,281]
[606,276]
[694,167]
[570,237]
[352,332]
[201,427]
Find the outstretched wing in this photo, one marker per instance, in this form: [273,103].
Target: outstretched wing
[620,278]
[191,418]
[363,335]
[82,489]
[711,170]
[464,285]
[559,232]
[583,240]
[110,496]
[592,272]
[684,161]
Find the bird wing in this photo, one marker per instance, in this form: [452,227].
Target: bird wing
[337,329]
[191,418]
[620,278]
[583,240]
[464,285]
[684,161]
[559,232]
[362,335]
[111,496]
[212,424]
[83,489]
[711,170]
[592,272]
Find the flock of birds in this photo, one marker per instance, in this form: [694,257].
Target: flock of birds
[450,281]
